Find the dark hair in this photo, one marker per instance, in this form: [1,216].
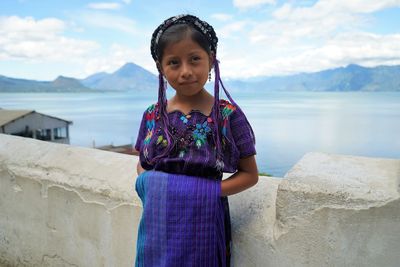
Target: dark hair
[193,23]
[177,33]
[174,30]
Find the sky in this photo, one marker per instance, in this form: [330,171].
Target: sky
[42,39]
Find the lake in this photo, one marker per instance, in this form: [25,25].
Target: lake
[287,124]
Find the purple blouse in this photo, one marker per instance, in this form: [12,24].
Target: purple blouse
[193,152]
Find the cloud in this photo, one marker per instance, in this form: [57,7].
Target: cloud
[361,48]
[285,39]
[29,25]
[321,20]
[327,8]
[357,6]
[297,39]
[117,56]
[247,4]
[364,48]
[104,6]
[127,2]
[291,24]
[232,29]
[222,16]
[43,42]
[108,21]
[40,40]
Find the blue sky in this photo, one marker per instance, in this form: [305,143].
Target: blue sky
[44,39]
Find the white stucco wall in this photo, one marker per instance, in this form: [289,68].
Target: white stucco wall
[69,206]
[330,210]
[66,206]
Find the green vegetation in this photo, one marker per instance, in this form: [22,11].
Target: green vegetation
[264,174]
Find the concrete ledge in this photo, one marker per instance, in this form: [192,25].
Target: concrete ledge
[70,206]
[66,206]
[329,210]
[337,181]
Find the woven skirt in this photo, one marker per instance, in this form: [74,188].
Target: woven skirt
[184,222]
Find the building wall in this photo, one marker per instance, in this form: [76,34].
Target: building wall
[34,121]
[71,206]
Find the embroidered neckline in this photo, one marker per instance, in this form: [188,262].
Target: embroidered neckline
[222,103]
[190,112]
[194,111]
[196,133]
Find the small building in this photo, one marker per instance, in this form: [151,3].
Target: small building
[32,124]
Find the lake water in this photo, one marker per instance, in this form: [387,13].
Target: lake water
[287,125]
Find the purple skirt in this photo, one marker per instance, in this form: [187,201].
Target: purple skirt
[184,222]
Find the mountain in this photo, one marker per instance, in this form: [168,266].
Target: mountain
[350,78]
[61,84]
[93,79]
[129,77]
[132,77]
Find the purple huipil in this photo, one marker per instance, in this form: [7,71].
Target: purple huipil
[185,221]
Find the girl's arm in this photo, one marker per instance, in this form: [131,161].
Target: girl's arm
[245,177]
[139,168]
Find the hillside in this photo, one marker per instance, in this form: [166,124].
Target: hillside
[132,77]
[350,78]
[129,77]
[61,84]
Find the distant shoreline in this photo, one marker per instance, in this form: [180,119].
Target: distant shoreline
[133,78]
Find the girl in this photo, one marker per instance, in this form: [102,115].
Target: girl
[185,145]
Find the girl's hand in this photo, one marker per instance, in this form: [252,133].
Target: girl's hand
[245,177]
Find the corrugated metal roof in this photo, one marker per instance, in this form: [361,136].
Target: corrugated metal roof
[9,115]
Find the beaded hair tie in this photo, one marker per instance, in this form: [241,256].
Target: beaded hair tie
[200,25]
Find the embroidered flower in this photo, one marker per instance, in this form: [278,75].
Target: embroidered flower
[200,133]
[182,153]
[184,119]
[162,141]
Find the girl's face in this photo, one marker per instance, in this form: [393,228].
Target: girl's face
[186,65]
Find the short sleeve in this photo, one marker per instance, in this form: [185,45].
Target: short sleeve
[242,133]
[141,133]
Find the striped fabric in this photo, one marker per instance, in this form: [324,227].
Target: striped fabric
[182,222]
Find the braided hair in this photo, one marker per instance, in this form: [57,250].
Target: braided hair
[201,32]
